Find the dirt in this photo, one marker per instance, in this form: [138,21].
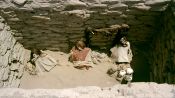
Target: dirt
[65,75]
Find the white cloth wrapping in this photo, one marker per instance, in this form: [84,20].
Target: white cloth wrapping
[121,54]
[44,62]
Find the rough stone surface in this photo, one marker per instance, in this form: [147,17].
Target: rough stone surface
[164,45]
[19,2]
[12,58]
[40,23]
[137,90]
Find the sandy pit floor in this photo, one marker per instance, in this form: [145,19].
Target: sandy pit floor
[65,75]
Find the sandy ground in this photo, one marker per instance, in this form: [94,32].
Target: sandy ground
[65,75]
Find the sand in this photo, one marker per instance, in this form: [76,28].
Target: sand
[65,75]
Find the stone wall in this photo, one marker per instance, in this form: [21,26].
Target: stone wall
[13,57]
[57,24]
[163,49]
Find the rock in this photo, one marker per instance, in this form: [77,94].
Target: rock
[2,70]
[1,26]
[19,2]
[159,8]
[114,13]
[16,51]
[14,19]
[5,59]
[110,1]
[141,6]
[21,71]
[22,56]
[41,17]
[156,2]
[1,19]
[27,56]
[78,13]
[6,74]
[118,7]
[145,90]
[15,83]
[74,4]
[3,48]
[11,76]
[1,84]
[15,66]
[91,1]
[98,7]
[131,2]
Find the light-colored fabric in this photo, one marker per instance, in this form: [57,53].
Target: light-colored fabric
[87,61]
[44,62]
[121,54]
[89,56]
[77,55]
[130,55]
